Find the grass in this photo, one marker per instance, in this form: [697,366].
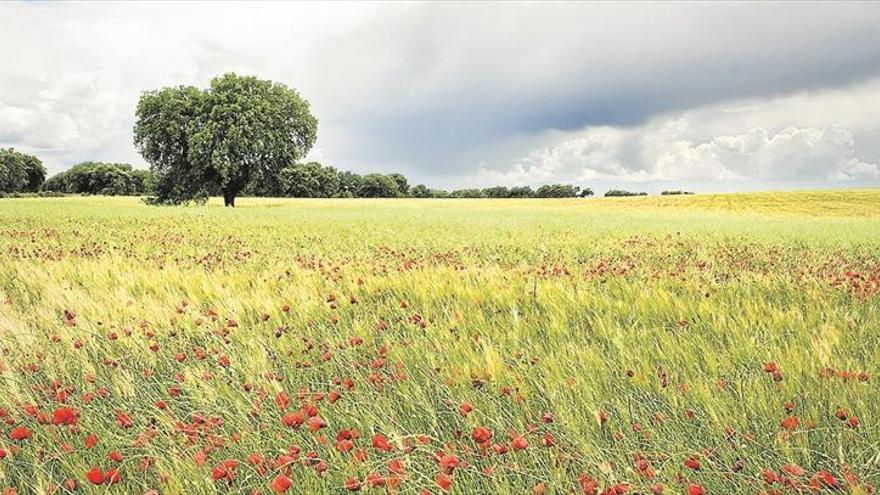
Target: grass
[657,313]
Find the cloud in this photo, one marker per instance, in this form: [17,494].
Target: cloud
[660,154]
[437,91]
[817,137]
[442,81]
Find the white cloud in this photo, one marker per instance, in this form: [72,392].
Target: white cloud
[431,90]
[802,137]
[605,154]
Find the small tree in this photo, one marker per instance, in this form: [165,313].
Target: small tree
[378,186]
[402,184]
[614,193]
[497,192]
[521,192]
[349,184]
[309,180]
[467,193]
[20,172]
[557,191]
[420,191]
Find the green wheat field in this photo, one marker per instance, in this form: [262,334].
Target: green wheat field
[708,344]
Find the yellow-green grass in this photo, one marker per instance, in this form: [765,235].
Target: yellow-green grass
[579,307]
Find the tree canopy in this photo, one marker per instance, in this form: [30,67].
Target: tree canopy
[616,193]
[20,172]
[309,180]
[239,130]
[378,186]
[111,179]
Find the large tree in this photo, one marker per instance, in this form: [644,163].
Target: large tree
[240,130]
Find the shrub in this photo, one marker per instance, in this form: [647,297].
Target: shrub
[467,193]
[619,193]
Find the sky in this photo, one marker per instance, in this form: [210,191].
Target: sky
[643,96]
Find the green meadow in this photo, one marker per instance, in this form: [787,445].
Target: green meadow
[719,344]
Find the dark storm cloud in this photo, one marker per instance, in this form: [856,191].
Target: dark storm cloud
[442,91]
[445,77]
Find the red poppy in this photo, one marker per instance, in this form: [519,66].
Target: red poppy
[444,482]
[827,479]
[793,470]
[20,433]
[224,470]
[692,463]
[293,419]
[280,484]
[123,420]
[790,423]
[519,443]
[374,480]
[589,486]
[481,435]
[65,416]
[448,462]
[395,466]
[499,448]
[91,440]
[112,476]
[382,443]
[695,489]
[95,476]
[316,423]
[352,484]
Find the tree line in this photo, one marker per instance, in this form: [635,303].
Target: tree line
[240,136]
[24,173]
[109,179]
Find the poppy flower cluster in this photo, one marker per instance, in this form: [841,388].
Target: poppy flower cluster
[173,358]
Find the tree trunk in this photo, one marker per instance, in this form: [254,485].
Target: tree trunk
[229,199]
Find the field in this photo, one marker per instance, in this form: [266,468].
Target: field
[722,344]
